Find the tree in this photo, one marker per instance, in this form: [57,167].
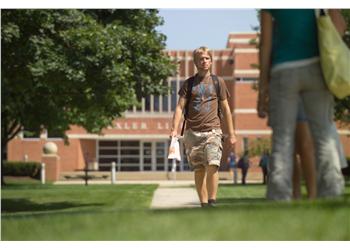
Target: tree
[83,67]
[342,107]
[258,146]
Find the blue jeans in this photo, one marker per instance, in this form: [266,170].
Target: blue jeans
[286,87]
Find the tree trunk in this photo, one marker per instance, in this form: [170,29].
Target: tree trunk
[3,156]
[7,134]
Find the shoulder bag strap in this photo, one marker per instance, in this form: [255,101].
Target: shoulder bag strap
[218,90]
[188,99]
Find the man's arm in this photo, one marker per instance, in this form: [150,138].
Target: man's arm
[228,119]
[177,116]
[264,63]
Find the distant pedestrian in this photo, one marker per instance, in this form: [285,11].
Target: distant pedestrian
[244,164]
[231,163]
[264,164]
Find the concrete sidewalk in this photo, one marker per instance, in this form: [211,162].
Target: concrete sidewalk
[162,183]
[175,197]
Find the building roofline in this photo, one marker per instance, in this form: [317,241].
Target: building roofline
[187,50]
[243,33]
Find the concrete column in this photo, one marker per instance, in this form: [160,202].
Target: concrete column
[113,172]
[42,173]
[52,166]
[51,161]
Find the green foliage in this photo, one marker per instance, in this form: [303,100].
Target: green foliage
[342,107]
[12,168]
[83,67]
[258,146]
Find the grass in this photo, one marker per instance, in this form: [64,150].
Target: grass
[120,212]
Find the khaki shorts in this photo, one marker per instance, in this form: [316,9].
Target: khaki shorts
[203,148]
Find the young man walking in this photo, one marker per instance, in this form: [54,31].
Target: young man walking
[203,97]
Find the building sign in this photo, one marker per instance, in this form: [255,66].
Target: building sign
[140,125]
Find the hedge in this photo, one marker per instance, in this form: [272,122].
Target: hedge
[14,168]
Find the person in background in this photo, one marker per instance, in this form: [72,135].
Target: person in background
[264,164]
[231,163]
[244,164]
[289,70]
[304,159]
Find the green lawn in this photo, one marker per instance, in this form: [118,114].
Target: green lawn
[120,212]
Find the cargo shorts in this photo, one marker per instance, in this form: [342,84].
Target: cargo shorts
[203,148]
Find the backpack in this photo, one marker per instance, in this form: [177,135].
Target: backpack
[189,93]
[264,161]
[240,163]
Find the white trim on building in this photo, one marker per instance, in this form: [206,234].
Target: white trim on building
[246,50]
[245,111]
[246,71]
[119,136]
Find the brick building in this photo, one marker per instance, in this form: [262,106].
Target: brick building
[139,141]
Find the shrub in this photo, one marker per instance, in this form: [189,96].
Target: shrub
[13,168]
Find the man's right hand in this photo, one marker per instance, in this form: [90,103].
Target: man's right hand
[173,133]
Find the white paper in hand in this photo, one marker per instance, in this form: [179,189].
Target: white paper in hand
[174,149]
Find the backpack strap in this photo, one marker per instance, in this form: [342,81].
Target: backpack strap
[188,99]
[218,91]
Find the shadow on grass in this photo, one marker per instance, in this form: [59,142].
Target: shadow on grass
[24,205]
[233,201]
[241,185]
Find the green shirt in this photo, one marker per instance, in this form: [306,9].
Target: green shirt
[294,35]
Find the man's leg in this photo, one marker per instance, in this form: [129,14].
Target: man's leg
[200,182]
[212,181]
[213,153]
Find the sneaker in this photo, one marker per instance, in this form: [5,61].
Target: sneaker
[212,202]
[204,205]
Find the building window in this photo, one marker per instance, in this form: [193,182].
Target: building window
[156,103]
[52,133]
[147,156]
[165,103]
[137,156]
[161,156]
[173,96]
[246,79]
[148,103]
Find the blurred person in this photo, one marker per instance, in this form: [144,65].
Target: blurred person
[264,164]
[289,70]
[202,96]
[231,163]
[244,164]
[304,159]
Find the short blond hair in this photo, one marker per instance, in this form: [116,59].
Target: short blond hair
[201,50]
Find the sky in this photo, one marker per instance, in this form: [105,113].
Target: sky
[191,28]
